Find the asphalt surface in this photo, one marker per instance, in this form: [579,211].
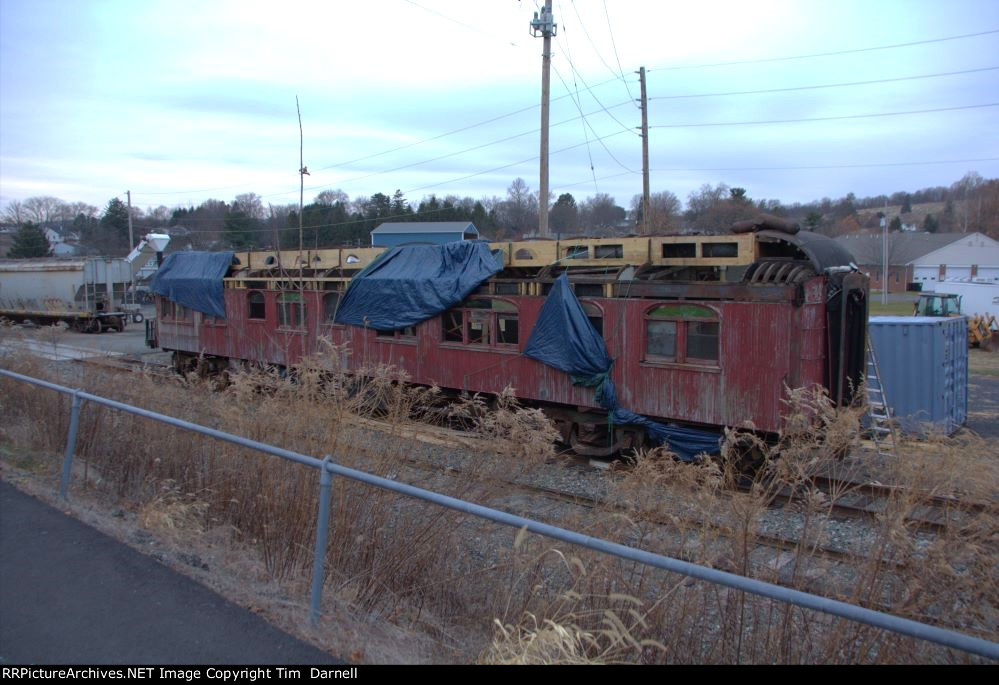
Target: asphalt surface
[72,595]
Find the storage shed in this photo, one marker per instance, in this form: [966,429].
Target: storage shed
[393,234]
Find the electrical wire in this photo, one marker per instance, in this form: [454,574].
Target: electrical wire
[833,118]
[563,186]
[586,123]
[833,53]
[577,102]
[578,75]
[616,56]
[586,33]
[461,23]
[824,85]
[602,83]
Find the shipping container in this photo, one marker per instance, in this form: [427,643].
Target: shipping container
[924,370]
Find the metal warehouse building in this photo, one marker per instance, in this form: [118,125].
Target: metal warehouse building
[433,232]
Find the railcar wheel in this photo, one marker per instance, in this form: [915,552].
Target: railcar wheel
[746,453]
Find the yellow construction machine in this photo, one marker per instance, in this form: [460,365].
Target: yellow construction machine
[982,328]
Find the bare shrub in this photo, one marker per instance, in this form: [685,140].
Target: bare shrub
[459,581]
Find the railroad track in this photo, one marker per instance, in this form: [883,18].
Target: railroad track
[866,500]
[846,499]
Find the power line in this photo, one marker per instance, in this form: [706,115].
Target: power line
[813,167]
[601,138]
[461,23]
[576,101]
[433,138]
[619,74]
[590,90]
[827,54]
[825,85]
[602,83]
[834,118]
[620,104]
[507,166]
[586,123]
[616,56]
[618,175]
[586,33]
[816,167]
[454,154]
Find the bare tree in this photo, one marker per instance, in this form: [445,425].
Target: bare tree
[44,208]
[160,216]
[251,205]
[88,211]
[519,212]
[331,197]
[600,214]
[665,211]
[14,213]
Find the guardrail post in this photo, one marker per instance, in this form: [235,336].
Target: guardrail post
[67,461]
[322,535]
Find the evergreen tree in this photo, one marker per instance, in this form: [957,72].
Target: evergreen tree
[114,227]
[240,230]
[30,242]
[930,224]
[564,214]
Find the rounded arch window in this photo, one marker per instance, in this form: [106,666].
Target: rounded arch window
[594,315]
[256,305]
[683,333]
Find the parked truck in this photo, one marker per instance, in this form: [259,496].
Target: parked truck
[978,302]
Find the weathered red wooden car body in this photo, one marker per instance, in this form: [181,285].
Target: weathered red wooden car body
[710,342]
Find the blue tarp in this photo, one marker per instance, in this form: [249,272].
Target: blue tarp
[564,339]
[194,279]
[407,285]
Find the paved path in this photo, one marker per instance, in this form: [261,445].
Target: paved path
[72,595]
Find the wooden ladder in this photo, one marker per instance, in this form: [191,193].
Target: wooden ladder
[882,429]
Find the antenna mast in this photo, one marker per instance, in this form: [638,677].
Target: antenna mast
[544,25]
[303,171]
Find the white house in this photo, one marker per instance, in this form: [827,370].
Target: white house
[973,257]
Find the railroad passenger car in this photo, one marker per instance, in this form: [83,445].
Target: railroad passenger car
[705,331]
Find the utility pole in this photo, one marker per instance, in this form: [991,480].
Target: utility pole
[131,241]
[544,26]
[646,199]
[884,256]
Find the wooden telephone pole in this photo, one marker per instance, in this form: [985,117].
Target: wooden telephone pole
[646,201]
[544,25]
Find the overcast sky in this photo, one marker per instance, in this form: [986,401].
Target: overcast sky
[183,101]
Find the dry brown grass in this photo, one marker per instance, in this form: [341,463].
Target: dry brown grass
[476,593]
[947,579]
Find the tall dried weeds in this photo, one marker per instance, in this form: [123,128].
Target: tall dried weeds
[517,599]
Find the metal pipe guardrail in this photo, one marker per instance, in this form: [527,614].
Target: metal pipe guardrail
[329,468]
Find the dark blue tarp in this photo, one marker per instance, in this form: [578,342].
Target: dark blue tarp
[564,339]
[194,279]
[407,285]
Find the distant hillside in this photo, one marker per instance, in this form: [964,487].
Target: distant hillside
[869,219]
